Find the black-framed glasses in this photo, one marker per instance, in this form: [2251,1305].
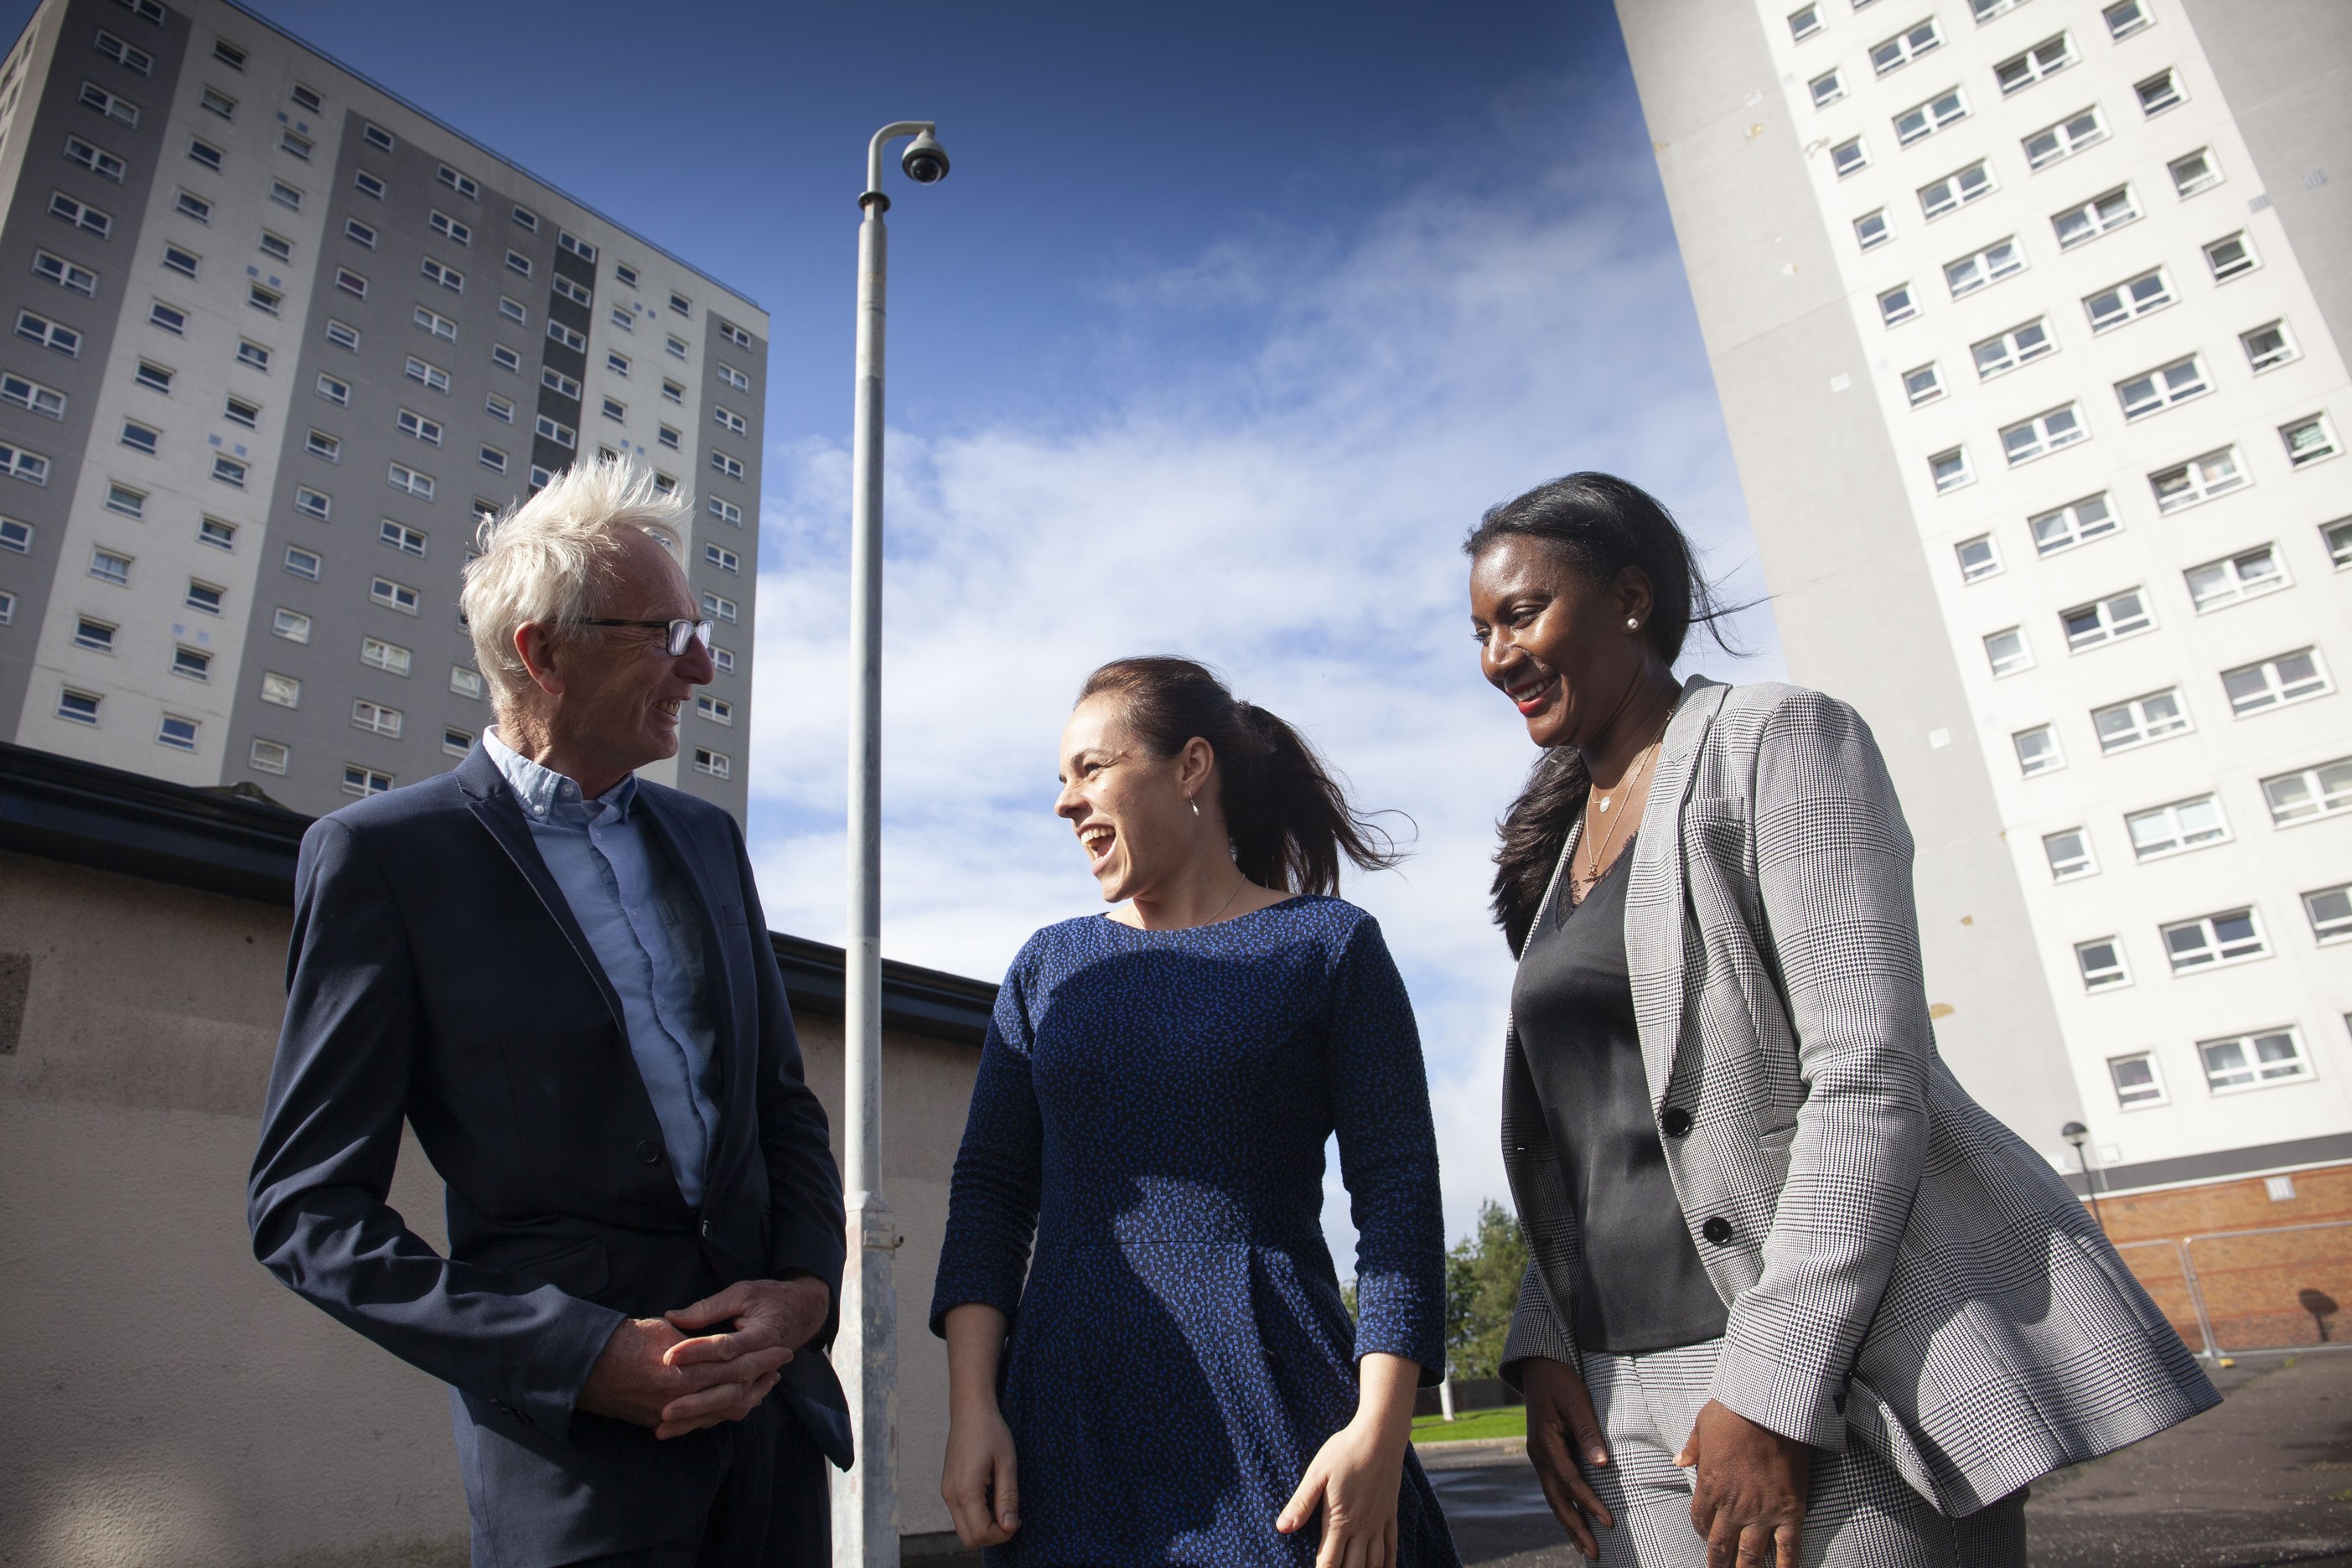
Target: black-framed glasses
[679,632]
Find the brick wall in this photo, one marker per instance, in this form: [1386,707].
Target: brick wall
[2260,1261]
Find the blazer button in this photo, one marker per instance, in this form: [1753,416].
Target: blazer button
[649,1152]
[1675,1121]
[1717,1230]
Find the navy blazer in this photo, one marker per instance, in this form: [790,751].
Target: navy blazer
[437,974]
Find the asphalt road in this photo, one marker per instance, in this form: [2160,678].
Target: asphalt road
[2264,1479]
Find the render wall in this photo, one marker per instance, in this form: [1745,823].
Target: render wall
[169,1403]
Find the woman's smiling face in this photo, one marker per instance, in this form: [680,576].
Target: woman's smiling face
[1556,645]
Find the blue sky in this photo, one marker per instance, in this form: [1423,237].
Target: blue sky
[1227,325]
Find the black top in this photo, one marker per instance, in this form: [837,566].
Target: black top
[1638,1283]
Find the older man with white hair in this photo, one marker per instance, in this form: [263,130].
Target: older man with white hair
[558,973]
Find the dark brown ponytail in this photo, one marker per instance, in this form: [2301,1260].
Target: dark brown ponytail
[1291,821]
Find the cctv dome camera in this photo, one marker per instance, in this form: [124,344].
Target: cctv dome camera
[925,161]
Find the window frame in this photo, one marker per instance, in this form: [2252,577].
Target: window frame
[2147,727]
[1992,564]
[2065,141]
[2252,947]
[2276,691]
[2241,588]
[2257,1078]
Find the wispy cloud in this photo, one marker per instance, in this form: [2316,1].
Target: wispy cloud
[1292,515]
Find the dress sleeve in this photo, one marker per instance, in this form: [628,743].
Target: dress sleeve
[1388,1156]
[993,1196]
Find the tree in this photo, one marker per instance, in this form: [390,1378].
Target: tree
[1483,1272]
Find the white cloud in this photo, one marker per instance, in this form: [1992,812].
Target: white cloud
[1294,518]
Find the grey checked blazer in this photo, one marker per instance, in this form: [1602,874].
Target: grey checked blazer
[1900,1270]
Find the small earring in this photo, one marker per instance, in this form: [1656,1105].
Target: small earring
[1195,805]
[1632,624]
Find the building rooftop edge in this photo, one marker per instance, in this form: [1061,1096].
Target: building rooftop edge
[235,840]
[489,150]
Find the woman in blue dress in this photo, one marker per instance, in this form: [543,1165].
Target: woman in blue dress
[1170,1375]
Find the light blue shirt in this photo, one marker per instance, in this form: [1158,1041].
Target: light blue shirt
[640,917]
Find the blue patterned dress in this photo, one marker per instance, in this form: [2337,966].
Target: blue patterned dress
[1153,1108]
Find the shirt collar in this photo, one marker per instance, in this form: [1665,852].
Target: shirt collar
[545,794]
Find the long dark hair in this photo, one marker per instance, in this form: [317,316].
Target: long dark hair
[1291,821]
[1599,525]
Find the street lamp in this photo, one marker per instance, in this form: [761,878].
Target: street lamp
[2076,1133]
[866,1499]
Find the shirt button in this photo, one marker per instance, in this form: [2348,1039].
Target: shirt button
[1717,1230]
[705,1227]
[649,1151]
[1675,1122]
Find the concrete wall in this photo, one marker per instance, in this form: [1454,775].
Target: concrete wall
[169,1403]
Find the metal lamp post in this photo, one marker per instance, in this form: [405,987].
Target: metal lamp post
[865,1351]
[2077,1134]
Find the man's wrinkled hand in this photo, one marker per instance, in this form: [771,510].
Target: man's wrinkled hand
[634,1380]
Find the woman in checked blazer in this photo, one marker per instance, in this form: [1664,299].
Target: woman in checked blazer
[1793,1295]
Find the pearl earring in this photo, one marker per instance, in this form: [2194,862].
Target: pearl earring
[1632,624]
[1195,805]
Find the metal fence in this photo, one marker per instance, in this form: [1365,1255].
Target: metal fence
[2275,1287]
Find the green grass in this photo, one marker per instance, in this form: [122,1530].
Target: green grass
[1508,1422]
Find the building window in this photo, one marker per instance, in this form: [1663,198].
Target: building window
[718,710]
[457,742]
[2177,827]
[1870,230]
[558,383]
[563,434]
[265,300]
[2008,652]
[680,304]
[1892,54]
[674,391]
[105,164]
[394,595]
[2046,433]
[2007,350]
[179,734]
[2254,1061]
[433,321]
[2230,936]
[400,476]
[80,279]
[81,215]
[624,273]
[730,376]
[726,511]
[301,146]
[2107,620]
[155,378]
[2194,171]
[230,470]
[2102,964]
[219,535]
[2159,92]
[2267,346]
[726,464]
[365,781]
[466,681]
[2069,853]
[500,408]
[313,503]
[575,341]
[252,355]
[525,218]
[193,663]
[285,195]
[343,336]
[2310,793]
[214,101]
[1954,191]
[1827,87]
[2037,750]
[270,757]
[1983,269]
[518,263]
[615,409]
[426,374]
[1949,469]
[188,204]
[2043,60]
[718,608]
[493,459]
[2051,143]
[290,625]
[48,334]
[2329,910]
[715,763]
[49,402]
[323,446]
[540,479]
[16,538]
[567,289]
[734,334]
[2162,387]
[668,435]
[2134,1080]
[513,311]
[1924,120]
[727,419]
[96,635]
[2200,478]
[2275,682]
[622,320]
[2126,17]
[277,246]
[18,463]
[448,277]
[2337,538]
[2142,721]
[389,657]
[368,185]
[2101,215]
[459,183]
[81,708]
[303,563]
[402,537]
[566,240]
[449,228]
[2308,440]
[723,659]
[418,427]
[125,55]
[2220,583]
[2230,256]
[241,410]
[377,137]
[725,561]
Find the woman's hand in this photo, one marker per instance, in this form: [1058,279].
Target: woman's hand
[1564,1436]
[1749,1496]
[1355,1477]
[980,1483]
